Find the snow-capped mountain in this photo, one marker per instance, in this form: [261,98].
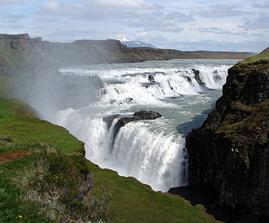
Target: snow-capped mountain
[135,44]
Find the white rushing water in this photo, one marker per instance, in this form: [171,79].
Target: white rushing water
[152,151]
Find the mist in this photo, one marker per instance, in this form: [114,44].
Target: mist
[37,79]
[64,85]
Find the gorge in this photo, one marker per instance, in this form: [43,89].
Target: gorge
[152,151]
[92,89]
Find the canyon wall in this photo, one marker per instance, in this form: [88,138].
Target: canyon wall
[230,152]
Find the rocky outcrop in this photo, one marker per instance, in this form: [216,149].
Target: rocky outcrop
[137,116]
[230,152]
[124,120]
[147,115]
[18,42]
[197,77]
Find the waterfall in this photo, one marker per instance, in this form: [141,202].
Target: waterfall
[152,151]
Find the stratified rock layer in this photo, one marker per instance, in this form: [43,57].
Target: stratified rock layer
[230,152]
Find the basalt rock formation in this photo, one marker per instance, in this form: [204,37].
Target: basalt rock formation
[230,152]
[124,120]
[137,116]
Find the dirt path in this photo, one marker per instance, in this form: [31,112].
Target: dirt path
[9,156]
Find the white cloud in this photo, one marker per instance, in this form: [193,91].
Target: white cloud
[260,23]
[8,2]
[219,11]
[192,24]
[124,4]
[52,6]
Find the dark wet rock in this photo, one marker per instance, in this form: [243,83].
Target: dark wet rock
[128,100]
[147,115]
[109,120]
[147,85]
[171,87]
[188,79]
[151,78]
[124,120]
[137,116]
[217,77]
[230,152]
[196,72]
[117,90]
[197,77]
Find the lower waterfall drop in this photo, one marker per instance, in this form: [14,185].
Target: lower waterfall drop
[152,151]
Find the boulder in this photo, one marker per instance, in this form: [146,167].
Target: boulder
[197,77]
[123,120]
[109,120]
[151,78]
[147,115]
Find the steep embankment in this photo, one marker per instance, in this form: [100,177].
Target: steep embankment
[44,175]
[45,178]
[230,152]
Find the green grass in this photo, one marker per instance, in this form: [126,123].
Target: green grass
[42,173]
[19,123]
[263,56]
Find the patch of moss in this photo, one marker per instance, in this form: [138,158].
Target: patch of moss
[237,105]
[249,128]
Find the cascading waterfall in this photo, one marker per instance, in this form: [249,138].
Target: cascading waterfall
[160,156]
[152,151]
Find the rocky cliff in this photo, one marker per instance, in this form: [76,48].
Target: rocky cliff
[230,152]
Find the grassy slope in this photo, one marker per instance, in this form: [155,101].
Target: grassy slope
[264,55]
[131,200]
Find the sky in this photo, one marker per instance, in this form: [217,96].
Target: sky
[241,25]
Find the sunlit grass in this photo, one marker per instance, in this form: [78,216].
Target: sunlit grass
[24,198]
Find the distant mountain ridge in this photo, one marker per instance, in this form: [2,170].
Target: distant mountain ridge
[82,52]
[137,44]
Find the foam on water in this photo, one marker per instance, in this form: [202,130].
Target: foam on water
[151,151]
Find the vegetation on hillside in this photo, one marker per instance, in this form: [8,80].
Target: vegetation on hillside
[263,56]
[45,178]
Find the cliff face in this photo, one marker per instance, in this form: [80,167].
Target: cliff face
[230,152]
[18,42]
